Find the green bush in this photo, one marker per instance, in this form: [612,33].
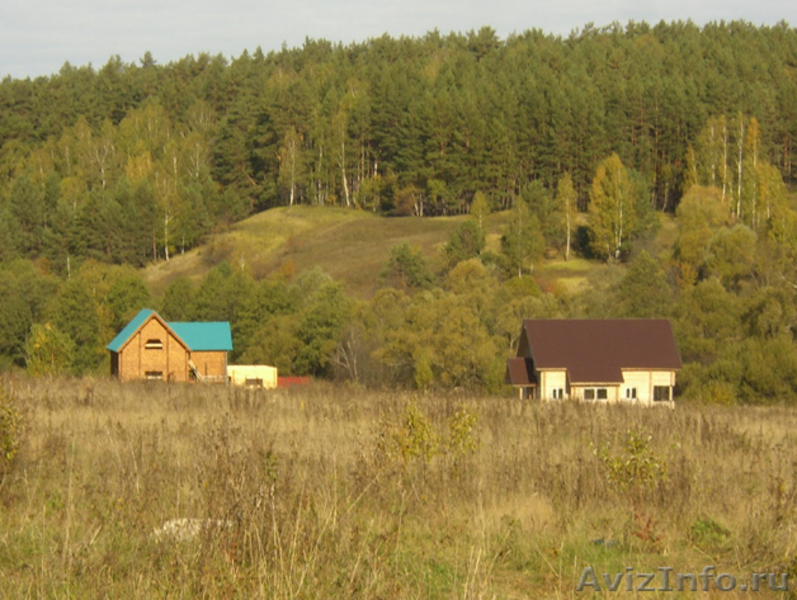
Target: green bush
[707,534]
[637,468]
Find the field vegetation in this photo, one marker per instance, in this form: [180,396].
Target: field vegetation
[170,491]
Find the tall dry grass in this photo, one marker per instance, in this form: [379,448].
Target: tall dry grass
[335,492]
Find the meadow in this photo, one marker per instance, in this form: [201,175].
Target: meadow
[153,490]
[352,246]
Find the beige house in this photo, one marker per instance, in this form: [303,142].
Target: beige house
[630,360]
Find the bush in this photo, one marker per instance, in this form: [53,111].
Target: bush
[634,470]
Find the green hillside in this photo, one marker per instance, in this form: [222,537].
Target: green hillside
[351,246]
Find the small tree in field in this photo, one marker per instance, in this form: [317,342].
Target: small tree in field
[407,268]
[467,241]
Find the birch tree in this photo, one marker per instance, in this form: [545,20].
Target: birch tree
[291,165]
[522,243]
[711,156]
[95,153]
[566,202]
[340,127]
[480,210]
[612,212]
[749,184]
[166,192]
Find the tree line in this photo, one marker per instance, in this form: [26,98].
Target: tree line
[726,278]
[131,163]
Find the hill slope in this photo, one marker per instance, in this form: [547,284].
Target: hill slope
[353,246]
[348,245]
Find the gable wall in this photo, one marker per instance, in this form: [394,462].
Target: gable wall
[135,360]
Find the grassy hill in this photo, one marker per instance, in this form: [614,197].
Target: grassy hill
[350,245]
[353,246]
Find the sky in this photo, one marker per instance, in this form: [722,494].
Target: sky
[38,36]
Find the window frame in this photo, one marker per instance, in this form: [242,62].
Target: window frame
[659,390]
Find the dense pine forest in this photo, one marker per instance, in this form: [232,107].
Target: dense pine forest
[659,155]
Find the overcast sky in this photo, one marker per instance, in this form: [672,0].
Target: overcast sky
[38,36]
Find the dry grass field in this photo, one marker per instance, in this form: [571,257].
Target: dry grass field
[184,491]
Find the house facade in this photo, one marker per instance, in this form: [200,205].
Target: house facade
[150,348]
[631,360]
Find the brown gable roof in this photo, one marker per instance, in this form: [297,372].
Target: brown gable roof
[520,371]
[596,351]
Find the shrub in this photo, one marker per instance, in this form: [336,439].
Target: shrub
[413,440]
[462,433]
[707,534]
[635,470]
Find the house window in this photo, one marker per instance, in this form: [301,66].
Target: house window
[630,393]
[596,394]
[155,375]
[661,393]
[154,344]
[557,393]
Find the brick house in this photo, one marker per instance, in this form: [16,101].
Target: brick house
[611,360]
[150,348]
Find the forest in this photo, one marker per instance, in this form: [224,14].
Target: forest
[660,156]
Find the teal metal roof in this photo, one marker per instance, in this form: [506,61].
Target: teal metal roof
[204,336]
[197,336]
[124,335]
